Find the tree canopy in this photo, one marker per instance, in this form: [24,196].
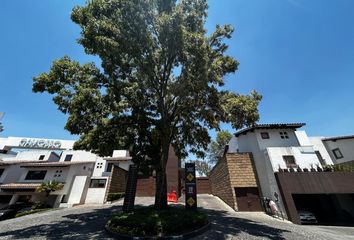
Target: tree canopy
[160,83]
[217,147]
[202,167]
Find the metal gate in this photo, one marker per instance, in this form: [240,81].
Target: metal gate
[247,199]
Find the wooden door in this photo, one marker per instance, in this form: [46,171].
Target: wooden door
[247,199]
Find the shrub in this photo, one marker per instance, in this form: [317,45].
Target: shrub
[150,222]
[114,196]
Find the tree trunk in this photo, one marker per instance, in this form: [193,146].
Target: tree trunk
[161,190]
[161,180]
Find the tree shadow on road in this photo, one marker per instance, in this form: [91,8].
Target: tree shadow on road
[226,226]
[90,225]
[72,226]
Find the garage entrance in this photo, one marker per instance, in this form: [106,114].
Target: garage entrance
[247,199]
[329,209]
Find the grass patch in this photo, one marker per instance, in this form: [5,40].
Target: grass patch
[32,211]
[114,196]
[150,222]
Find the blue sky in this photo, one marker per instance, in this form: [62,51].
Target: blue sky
[298,54]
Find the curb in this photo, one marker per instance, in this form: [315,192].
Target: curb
[182,236]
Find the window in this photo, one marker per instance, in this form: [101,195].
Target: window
[58,173]
[98,183]
[320,158]
[1,172]
[337,153]
[35,175]
[290,161]
[283,135]
[109,167]
[265,135]
[41,157]
[68,158]
[99,165]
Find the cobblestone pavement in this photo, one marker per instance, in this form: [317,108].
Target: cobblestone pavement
[87,222]
[228,224]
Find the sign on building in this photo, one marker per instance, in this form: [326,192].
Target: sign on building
[39,143]
[190,186]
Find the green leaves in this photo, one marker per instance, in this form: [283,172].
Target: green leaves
[160,82]
[217,147]
[50,186]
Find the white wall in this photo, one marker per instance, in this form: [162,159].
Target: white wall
[346,146]
[233,145]
[318,145]
[305,157]
[99,168]
[34,155]
[274,138]
[302,138]
[78,155]
[78,190]
[120,153]
[96,195]
[12,173]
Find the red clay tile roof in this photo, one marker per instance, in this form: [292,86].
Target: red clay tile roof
[19,185]
[338,138]
[39,163]
[11,162]
[270,126]
[54,164]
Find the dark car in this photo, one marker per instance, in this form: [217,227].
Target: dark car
[307,217]
[11,210]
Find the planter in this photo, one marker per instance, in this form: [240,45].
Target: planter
[187,235]
[305,170]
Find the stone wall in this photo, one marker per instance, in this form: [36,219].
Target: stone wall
[233,170]
[118,180]
[221,184]
[145,187]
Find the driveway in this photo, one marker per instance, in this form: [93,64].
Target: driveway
[228,224]
[87,222]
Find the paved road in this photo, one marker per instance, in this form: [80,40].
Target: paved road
[86,222]
[228,224]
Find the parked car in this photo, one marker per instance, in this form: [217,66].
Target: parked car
[11,210]
[307,217]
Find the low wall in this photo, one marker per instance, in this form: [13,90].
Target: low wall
[312,183]
[145,187]
[233,170]
[203,185]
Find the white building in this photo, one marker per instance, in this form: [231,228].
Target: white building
[27,162]
[341,149]
[278,146]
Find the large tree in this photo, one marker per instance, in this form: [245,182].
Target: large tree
[159,85]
